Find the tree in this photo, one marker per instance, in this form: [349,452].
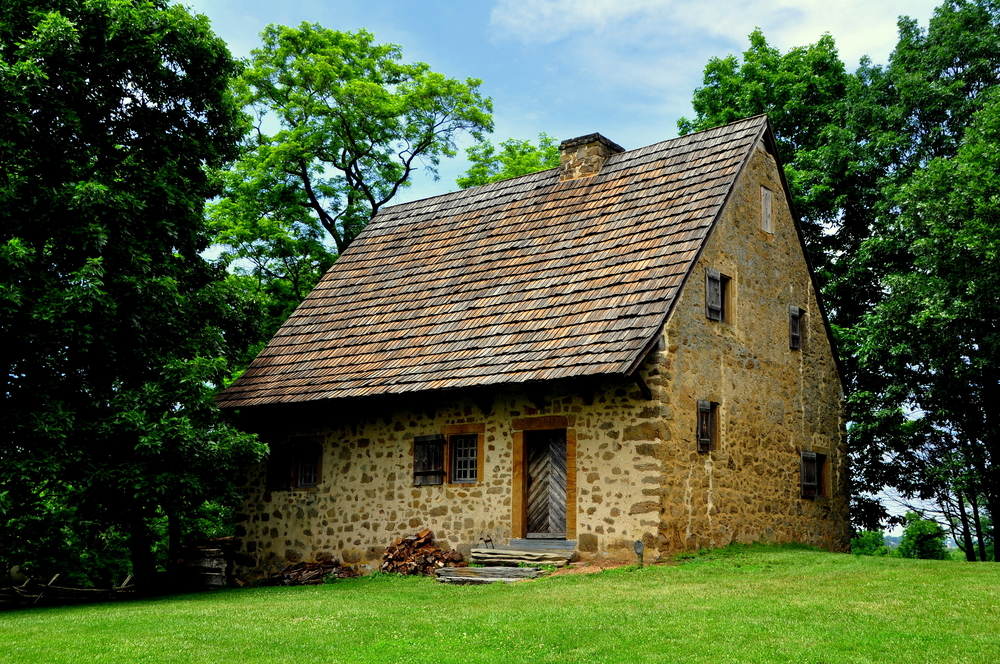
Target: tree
[922,538]
[934,337]
[516,157]
[355,123]
[869,543]
[114,327]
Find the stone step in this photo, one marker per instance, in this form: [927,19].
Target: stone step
[479,575]
[509,556]
[541,544]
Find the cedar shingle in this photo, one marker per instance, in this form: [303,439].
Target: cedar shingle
[522,280]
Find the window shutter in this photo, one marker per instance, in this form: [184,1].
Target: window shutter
[765,209]
[713,294]
[810,475]
[794,327]
[428,460]
[704,426]
[279,468]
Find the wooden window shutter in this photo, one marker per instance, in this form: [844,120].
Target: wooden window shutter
[279,468]
[428,460]
[810,475]
[794,327]
[704,426]
[713,294]
[766,198]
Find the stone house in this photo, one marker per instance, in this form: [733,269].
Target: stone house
[627,347]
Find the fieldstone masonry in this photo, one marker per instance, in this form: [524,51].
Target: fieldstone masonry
[638,472]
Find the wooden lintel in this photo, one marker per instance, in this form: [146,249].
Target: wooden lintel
[647,394]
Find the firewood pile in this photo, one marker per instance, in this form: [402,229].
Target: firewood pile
[416,554]
[309,574]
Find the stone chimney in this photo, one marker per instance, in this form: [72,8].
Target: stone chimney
[584,156]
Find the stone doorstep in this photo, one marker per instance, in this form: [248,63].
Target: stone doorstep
[511,556]
[480,575]
[563,546]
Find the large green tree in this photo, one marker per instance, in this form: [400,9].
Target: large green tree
[353,124]
[933,341]
[113,326]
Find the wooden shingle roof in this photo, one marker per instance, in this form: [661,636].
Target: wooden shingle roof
[528,279]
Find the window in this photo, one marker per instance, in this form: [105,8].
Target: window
[454,456]
[428,460]
[295,465]
[813,467]
[464,459]
[795,327]
[707,425]
[716,285]
[308,470]
[766,198]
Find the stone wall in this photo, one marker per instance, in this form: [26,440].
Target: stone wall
[638,474]
[773,402]
[366,496]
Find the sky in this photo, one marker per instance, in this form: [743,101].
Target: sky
[624,68]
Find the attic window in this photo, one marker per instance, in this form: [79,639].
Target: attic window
[765,209]
[707,415]
[716,285]
[795,327]
[428,460]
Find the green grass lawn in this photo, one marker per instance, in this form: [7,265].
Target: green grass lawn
[756,604]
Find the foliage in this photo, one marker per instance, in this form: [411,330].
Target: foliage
[761,606]
[355,122]
[515,157]
[923,538]
[803,93]
[934,335]
[869,543]
[114,327]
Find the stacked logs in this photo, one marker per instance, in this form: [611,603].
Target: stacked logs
[416,554]
[309,574]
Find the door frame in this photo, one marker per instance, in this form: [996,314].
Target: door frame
[519,501]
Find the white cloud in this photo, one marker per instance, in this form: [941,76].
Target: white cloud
[860,27]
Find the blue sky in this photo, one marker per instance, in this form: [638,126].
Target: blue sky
[624,68]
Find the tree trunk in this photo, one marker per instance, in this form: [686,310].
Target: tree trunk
[140,548]
[173,540]
[970,552]
[979,527]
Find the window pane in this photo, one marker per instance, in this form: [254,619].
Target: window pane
[464,465]
[308,469]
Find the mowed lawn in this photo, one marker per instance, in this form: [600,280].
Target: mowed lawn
[756,604]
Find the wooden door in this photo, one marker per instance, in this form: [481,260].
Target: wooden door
[546,471]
